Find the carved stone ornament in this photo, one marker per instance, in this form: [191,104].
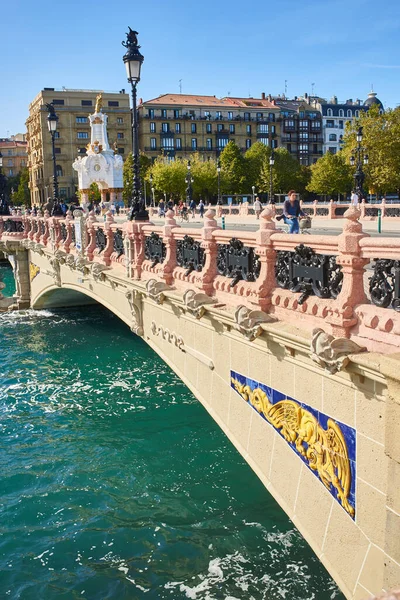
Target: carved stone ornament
[248,321]
[70,260]
[137,321]
[168,336]
[60,256]
[38,248]
[56,274]
[155,290]
[330,353]
[97,271]
[81,264]
[195,302]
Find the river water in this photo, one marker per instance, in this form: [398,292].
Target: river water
[116,484]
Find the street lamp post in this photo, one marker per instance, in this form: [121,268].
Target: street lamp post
[358,160]
[52,120]
[133,60]
[271,187]
[4,208]
[189,181]
[219,201]
[253,187]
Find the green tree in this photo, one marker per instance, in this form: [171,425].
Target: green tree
[256,156]
[381,141]
[204,173]
[233,170]
[94,193]
[330,175]
[23,194]
[286,173]
[145,165]
[168,176]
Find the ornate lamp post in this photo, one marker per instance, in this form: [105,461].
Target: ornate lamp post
[358,160]
[219,201]
[152,190]
[133,62]
[4,208]
[189,180]
[271,187]
[253,187]
[52,120]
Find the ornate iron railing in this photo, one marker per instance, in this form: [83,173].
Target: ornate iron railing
[154,249]
[101,240]
[190,255]
[322,212]
[118,242]
[309,273]
[384,285]
[371,211]
[42,228]
[73,234]
[11,226]
[340,210]
[64,232]
[392,212]
[237,261]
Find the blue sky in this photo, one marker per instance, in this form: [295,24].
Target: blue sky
[215,47]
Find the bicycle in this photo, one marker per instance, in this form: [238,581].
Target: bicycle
[184,216]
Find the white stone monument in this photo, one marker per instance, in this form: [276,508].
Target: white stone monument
[100,165]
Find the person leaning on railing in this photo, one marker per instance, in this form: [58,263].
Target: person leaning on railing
[291,212]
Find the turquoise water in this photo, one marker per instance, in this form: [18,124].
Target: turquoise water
[7,277]
[116,484]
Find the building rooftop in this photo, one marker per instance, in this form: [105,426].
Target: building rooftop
[207,101]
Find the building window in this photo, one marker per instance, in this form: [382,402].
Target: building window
[165,127]
[316,125]
[81,120]
[340,124]
[194,143]
[82,135]
[248,129]
[59,102]
[332,137]
[10,172]
[289,124]
[153,144]
[220,127]
[271,116]
[218,114]
[152,127]
[231,129]
[9,152]
[303,148]
[58,150]
[329,112]
[303,136]
[274,143]
[209,144]
[264,140]
[176,114]
[86,103]
[341,112]
[259,116]
[357,113]
[82,150]
[332,149]
[207,114]
[59,171]
[222,142]
[230,115]
[208,128]
[63,192]
[178,144]
[349,113]
[247,116]
[10,163]
[303,124]
[330,124]
[194,128]
[120,136]
[262,128]
[248,144]
[121,150]
[120,121]
[56,135]
[177,127]
[113,103]
[167,143]
[164,113]
[151,113]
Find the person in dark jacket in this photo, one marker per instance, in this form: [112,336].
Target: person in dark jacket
[292,211]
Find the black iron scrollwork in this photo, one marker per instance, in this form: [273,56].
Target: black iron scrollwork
[42,228]
[35,227]
[190,255]
[119,242]
[73,234]
[154,249]
[384,285]
[237,261]
[11,226]
[64,232]
[101,240]
[309,273]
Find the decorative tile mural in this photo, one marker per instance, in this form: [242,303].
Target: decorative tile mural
[325,445]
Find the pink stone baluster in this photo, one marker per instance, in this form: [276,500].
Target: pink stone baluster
[169,263]
[91,232]
[69,224]
[331,210]
[266,282]
[108,250]
[342,317]
[210,248]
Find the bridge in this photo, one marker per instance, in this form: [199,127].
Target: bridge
[289,342]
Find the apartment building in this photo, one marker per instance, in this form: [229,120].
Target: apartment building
[73,134]
[15,156]
[176,125]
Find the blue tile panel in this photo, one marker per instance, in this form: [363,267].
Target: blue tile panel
[325,445]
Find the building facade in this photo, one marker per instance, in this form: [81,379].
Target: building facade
[15,156]
[73,108]
[176,125]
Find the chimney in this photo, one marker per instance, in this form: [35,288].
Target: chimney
[262,95]
[270,97]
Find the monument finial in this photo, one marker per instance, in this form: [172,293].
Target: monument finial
[99,103]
